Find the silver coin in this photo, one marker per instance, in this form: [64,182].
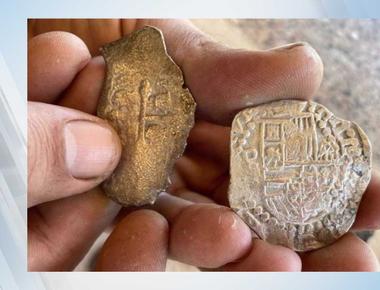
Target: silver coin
[298,173]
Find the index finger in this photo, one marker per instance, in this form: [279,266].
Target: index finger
[223,80]
[54,59]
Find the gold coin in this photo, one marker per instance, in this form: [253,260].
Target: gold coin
[144,99]
[297,172]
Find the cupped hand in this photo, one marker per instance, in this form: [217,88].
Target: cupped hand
[71,152]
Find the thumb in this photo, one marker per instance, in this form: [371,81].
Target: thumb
[69,152]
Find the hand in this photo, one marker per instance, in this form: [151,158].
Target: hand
[191,224]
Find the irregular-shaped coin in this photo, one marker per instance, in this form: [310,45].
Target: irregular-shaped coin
[144,99]
[297,172]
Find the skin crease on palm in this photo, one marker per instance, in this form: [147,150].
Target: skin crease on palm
[192,223]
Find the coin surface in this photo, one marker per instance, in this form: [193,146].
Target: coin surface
[297,172]
[144,99]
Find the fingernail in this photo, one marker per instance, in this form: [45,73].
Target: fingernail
[290,46]
[91,149]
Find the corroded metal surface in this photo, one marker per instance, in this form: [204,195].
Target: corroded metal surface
[145,101]
[297,172]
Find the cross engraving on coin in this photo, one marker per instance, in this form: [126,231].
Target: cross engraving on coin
[145,101]
[297,172]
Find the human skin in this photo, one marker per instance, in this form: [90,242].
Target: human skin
[191,223]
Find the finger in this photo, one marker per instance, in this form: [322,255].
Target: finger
[262,255]
[94,32]
[204,168]
[205,161]
[84,92]
[54,59]
[349,253]
[368,216]
[69,152]
[204,235]
[211,141]
[266,257]
[224,81]
[200,174]
[61,232]
[138,243]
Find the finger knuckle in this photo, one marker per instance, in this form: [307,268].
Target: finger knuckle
[43,152]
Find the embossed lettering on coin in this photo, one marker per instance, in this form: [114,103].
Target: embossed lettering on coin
[297,172]
[144,100]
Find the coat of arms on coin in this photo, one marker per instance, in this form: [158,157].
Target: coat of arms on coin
[297,172]
[144,99]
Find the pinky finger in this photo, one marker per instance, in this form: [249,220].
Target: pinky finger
[138,243]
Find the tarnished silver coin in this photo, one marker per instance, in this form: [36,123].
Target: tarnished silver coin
[297,172]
